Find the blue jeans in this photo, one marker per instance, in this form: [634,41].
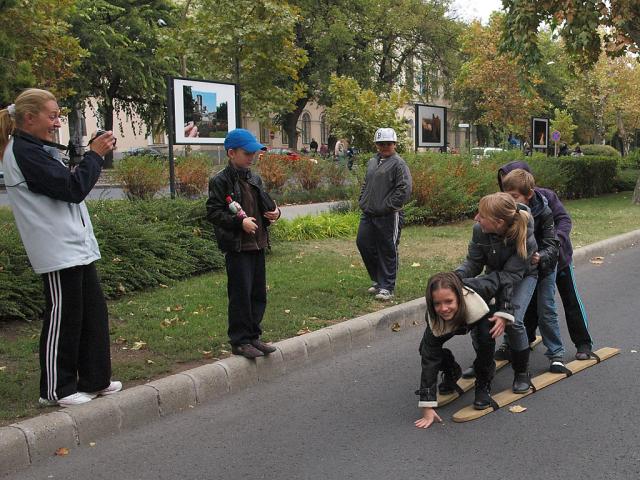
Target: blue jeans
[516,334]
[544,312]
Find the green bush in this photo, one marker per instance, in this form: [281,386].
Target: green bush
[142,176]
[626,179]
[599,150]
[316,227]
[143,244]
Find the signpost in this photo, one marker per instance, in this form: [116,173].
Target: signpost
[555,136]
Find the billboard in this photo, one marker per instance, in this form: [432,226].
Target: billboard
[540,132]
[431,126]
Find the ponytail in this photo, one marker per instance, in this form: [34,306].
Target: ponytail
[7,126]
[517,231]
[501,206]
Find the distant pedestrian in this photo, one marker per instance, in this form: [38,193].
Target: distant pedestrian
[313,146]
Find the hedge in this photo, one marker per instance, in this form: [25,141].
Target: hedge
[148,243]
[143,244]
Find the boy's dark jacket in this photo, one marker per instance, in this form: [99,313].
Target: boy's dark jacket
[561,218]
[228,226]
[545,233]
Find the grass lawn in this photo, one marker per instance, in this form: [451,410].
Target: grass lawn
[311,284]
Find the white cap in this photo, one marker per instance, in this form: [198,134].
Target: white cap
[386,135]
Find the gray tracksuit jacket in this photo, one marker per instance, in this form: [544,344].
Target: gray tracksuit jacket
[47,201]
[387,186]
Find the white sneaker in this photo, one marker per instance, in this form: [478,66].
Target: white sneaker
[77,398]
[384,295]
[113,387]
[373,289]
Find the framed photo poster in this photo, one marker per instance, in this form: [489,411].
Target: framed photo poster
[540,132]
[431,126]
[203,111]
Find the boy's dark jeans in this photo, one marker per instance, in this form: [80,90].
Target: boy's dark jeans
[247,291]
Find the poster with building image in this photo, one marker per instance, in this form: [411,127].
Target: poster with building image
[540,132]
[203,111]
[431,125]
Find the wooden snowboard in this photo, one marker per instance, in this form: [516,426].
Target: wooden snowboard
[466,384]
[544,380]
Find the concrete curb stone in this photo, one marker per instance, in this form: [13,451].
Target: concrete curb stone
[28,441]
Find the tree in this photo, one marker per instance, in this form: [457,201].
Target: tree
[251,43]
[563,123]
[36,47]
[578,23]
[122,70]
[489,89]
[356,113]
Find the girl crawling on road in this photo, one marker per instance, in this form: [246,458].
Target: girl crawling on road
[502,245]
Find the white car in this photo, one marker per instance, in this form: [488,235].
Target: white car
[479,153]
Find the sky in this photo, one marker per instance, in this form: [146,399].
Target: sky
[476,9]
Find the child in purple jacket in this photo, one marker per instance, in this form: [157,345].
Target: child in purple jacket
[574,310]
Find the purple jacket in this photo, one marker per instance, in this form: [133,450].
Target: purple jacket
[561,218]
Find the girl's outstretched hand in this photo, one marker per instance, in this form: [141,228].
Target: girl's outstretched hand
[499,325]
[429,416]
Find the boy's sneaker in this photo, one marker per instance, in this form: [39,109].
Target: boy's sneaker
[247,351]
[373,289]
[263,347]
[384,295]
[557,366]
[583,352]
[503,353]
[113,387]
[77,398]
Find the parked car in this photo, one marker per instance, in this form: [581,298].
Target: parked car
[139,151]
[478,153]
[1,178]
[288,152]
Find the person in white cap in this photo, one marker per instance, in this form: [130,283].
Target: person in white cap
[386,188]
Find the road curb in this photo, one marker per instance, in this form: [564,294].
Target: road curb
[26,442]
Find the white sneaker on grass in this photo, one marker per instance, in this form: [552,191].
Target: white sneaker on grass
[384,295]
[77,398]
[113,387]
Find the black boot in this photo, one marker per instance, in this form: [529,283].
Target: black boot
[469,372]
[482,398]
[451,372]
[522,377]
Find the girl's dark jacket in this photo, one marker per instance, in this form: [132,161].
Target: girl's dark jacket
[499,259]
[545,233]
[228,226]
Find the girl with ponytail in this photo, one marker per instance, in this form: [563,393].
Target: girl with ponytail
[502,245]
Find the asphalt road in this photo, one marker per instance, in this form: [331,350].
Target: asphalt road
[353,418]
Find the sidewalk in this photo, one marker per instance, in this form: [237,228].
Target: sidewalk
[29,441]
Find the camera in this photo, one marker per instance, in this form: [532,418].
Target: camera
[101,132]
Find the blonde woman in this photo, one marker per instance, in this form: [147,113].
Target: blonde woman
[47,201]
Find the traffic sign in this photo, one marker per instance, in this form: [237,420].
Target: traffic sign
[555,135]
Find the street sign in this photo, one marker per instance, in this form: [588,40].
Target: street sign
[555,135]
[463,125]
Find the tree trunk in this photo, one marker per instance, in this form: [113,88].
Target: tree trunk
[636,193]
[76,132]
[290,122]
[106,111]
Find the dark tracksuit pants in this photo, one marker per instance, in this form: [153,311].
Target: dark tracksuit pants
[434,359]
[574,311]
[74,343]
[247,291]
[378,239]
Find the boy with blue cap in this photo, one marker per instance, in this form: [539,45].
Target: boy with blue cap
[241,211]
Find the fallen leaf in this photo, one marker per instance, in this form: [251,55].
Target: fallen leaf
[287,311]
[61,452]
[414,323]
[168,309]
[195,313]
[177,308]
[597,260]
[632,351]
[150,362]
[167,338]
[415,264]
[395,327]
[162,285]
[121,340]
[92,444]
[517,409]
[303,330]
[121,288]
[116,260]
[139,345]
[207,354]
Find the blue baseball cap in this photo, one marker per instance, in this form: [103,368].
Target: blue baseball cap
[244,139]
